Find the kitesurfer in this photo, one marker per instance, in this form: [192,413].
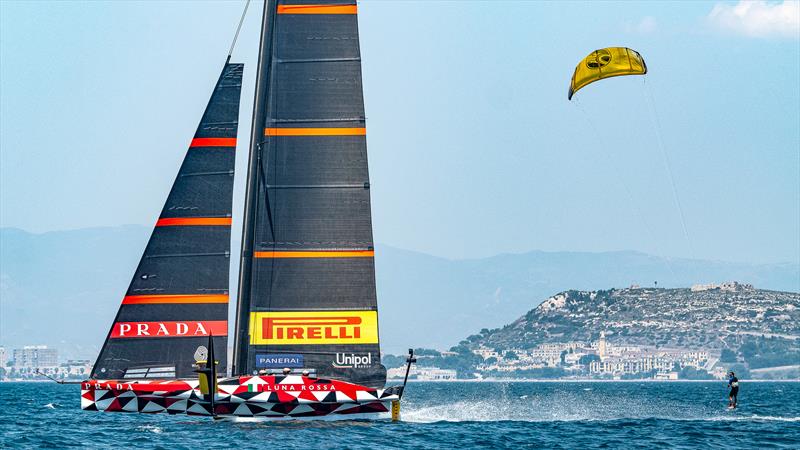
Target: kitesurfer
[733,383]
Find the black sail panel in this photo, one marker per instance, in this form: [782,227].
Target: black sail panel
[307,287]
[179,292]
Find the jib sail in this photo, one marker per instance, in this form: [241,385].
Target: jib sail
[307,295]
[179,293]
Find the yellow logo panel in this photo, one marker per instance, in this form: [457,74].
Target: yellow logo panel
[313,327]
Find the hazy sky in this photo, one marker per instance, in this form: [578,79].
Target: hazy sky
[474,149]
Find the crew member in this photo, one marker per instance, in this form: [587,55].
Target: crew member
[733,383]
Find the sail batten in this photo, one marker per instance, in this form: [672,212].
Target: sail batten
[307,280]
[179,293]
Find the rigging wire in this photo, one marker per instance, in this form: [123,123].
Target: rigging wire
[657,126]
[634,206]
[237,338]
[238,28]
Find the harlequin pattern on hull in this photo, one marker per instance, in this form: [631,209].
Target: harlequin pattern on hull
[256,396]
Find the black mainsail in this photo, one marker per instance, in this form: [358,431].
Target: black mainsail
[179,292]
[307,294]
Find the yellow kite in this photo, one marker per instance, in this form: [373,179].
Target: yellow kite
[606,63]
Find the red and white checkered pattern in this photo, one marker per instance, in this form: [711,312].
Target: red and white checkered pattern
[257,396]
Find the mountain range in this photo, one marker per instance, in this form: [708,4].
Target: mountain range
[63,288]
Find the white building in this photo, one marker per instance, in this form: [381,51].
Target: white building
[486,353]
[617,366]
[602,347]
[422,373]
[574,358]
[729,286]
[667,376]
[434,374]
[35,357]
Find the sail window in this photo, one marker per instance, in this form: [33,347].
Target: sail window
[150,372]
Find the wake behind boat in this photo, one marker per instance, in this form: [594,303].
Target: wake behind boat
[306,329]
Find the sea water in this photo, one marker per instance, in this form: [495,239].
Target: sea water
[442,415]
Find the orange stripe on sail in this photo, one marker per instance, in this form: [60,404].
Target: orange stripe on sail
[213,142]
[315,131]
[317,9]
[317,254]
[160,299]
[194,221]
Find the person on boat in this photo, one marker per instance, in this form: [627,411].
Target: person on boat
[733,383]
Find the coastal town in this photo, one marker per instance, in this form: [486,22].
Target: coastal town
[29,362]
[580,360]
[599,359]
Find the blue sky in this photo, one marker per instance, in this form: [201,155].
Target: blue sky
[474,148]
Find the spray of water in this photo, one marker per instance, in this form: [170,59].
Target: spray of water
[530,402]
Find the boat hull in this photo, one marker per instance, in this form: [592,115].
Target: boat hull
[268,397]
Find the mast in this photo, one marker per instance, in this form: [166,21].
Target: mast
[307,275]
[256,139]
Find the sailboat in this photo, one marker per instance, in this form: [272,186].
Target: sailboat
[305,331]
